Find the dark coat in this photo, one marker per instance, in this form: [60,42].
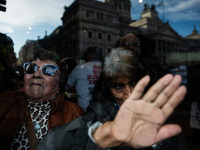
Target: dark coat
[74,135]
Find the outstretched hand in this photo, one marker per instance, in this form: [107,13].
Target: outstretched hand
[140,120]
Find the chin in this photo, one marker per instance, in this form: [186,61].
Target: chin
[34,96]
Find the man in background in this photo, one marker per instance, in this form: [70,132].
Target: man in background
[84,76]
[129,40]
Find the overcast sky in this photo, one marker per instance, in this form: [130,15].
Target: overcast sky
[28,19]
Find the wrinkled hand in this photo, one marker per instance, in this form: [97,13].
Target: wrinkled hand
[139,122]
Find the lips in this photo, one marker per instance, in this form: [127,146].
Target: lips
[36,84]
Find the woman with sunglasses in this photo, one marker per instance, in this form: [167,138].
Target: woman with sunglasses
[130,41]
[121,116]
[26,117]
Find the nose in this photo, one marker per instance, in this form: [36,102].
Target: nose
[127,91]
[134,48]
[38,74]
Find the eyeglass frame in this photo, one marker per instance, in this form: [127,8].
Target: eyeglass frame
[56,68]
[131,44]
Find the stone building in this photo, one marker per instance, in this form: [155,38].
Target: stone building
[192,42]
[166,41]
[25,54]
[92,23]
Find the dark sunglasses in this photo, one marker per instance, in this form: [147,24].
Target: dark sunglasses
[47,69]
[130,44]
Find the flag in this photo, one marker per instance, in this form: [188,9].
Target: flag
[160,4]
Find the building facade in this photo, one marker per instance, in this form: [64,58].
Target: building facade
[92,23]
[165,39]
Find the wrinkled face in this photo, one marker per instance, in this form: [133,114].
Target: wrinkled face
[39,87]
[121,89]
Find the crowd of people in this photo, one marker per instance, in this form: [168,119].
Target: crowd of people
[123,108]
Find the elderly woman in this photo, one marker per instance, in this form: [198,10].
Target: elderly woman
[121,70]
[26,117]
[121,116]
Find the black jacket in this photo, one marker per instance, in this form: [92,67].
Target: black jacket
[74,135]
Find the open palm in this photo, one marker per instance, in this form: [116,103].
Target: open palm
[140,120]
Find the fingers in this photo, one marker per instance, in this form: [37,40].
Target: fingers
[174,100]
[168,92]
[164,93]
[168,131]
[139,88]
[157,88]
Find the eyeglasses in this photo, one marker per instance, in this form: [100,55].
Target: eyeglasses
[47,69]
[131,44]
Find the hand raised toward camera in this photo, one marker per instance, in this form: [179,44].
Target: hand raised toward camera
[140,120]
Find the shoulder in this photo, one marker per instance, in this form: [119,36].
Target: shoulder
[76,71]
[12,102]
[94,62]
[97,108]
[90,63]
[11,96]
[71,105]
[73,108]
[95,105]
[60,104]
[63,112]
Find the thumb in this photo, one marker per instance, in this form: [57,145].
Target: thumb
[168,131]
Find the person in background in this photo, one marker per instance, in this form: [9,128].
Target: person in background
[129,40]
[144,47]
[84,76]
[123,115]
[67,65]
[7,64]
[26,117]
